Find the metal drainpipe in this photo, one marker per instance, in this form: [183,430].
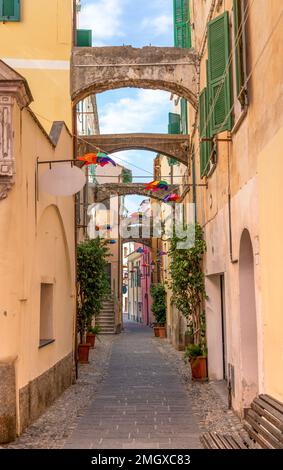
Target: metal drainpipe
[232,259]
[74,125]
[146,287]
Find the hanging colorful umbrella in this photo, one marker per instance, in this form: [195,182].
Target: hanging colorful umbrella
[99,158]
[172,197]
[112,242]
[162,253]
[157,185]
[140,250]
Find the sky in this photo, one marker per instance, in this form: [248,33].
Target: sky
[138,23]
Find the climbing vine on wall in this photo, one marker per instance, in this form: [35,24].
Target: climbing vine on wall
[188,284]
[92,281]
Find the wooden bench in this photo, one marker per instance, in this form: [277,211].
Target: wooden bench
[263,427]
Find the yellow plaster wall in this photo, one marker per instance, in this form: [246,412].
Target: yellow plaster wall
[270,169]
[37,245]
[43,34]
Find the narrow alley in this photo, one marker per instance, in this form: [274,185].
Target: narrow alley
[140,241]
[136,392]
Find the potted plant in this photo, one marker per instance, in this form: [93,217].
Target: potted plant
[92,333]
[158,294]
[197,356]
[92,287]
[187,281]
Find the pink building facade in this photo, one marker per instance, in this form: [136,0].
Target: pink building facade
[146,277]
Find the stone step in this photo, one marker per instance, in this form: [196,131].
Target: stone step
[105,319]
[106,315]
[105,331]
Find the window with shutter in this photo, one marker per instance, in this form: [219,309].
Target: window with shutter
[182,28]
[219,77]
[205,147]
[84,38]
[174,127]
[184,116]
[174,123]
[10,10]
[240,50]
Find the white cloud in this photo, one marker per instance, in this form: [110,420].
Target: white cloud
[140,114]
[158,25]
[104,17]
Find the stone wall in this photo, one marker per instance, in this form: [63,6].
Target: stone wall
[7,402]
[40,393]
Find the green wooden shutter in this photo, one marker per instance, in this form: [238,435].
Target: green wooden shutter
[218,58]
[202,114]
[127,176]
[10,10]
[239,50]
[182,28]
[205,147]
[84,38]
[174,123]
[184,116]
[174,127]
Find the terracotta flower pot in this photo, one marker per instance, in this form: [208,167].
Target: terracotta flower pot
[199,368]
[162,332]
[83,350]
[156,331]
[90,338]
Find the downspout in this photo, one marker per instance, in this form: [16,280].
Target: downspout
[194,183]
[146,290]
[74,125]
[232,259]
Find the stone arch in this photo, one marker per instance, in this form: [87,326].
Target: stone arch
[98,69]
[102,192]
[172,145]
[248,321]
[53,208]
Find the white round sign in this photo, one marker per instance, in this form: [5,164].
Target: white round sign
[62,180]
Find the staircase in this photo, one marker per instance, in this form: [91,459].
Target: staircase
[106,318]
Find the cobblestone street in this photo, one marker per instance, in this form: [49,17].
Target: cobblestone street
[135,393]
[141,404]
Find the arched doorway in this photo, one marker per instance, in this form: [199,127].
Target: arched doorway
[249,348]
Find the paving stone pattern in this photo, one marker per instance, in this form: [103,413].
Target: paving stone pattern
[142,402]
[52,429]
[135,393]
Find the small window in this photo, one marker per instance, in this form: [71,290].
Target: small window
[240,16]
[84,37]
[46,315]
[10,10]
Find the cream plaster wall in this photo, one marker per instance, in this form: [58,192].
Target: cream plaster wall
[270,168]
[249,168]
[37,245]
